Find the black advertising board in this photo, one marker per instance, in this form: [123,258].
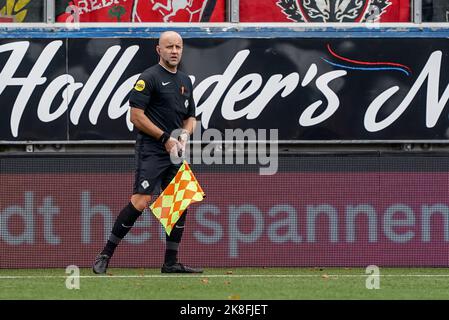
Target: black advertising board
[310,89]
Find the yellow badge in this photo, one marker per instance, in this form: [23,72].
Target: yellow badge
[140,85]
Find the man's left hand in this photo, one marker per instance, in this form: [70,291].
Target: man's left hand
[183,138]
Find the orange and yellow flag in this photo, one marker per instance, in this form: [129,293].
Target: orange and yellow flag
[183,190]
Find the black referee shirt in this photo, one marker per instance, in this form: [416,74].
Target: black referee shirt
[165,97]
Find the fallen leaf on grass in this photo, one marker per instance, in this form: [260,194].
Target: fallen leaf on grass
[227,282]
[234,297]
[229,272]
[205,281]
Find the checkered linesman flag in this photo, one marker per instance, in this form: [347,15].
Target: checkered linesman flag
[183,190]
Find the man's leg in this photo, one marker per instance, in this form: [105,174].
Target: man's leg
[173,240]
[124,222]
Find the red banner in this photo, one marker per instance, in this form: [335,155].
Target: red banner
[142,11]
[290,219]
[6,19]
[325,11]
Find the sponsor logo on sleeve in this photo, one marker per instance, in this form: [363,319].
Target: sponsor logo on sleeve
[140,85]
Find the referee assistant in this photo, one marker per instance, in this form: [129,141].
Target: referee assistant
[161,102]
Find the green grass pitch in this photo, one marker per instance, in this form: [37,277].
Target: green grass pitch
[227,284]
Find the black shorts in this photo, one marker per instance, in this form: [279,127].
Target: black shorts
[154,169]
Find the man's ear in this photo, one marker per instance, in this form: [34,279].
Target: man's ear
[158,49]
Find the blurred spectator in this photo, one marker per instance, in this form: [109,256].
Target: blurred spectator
[325,11]
[22,10]
[142,10]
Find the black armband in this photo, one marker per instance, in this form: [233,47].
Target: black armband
[164,138]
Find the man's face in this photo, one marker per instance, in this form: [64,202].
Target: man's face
[170,49]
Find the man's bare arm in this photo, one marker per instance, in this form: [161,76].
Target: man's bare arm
[141,121]
[189,125]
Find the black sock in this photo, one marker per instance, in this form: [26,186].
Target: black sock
[172,241]
[170,257]
[109,248]
[122,225]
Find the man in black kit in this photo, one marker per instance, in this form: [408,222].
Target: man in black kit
[161,102]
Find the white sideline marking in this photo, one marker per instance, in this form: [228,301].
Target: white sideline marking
[227,276]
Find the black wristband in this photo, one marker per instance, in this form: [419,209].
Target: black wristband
[164,138]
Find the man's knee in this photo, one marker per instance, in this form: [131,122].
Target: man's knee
[140,201]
